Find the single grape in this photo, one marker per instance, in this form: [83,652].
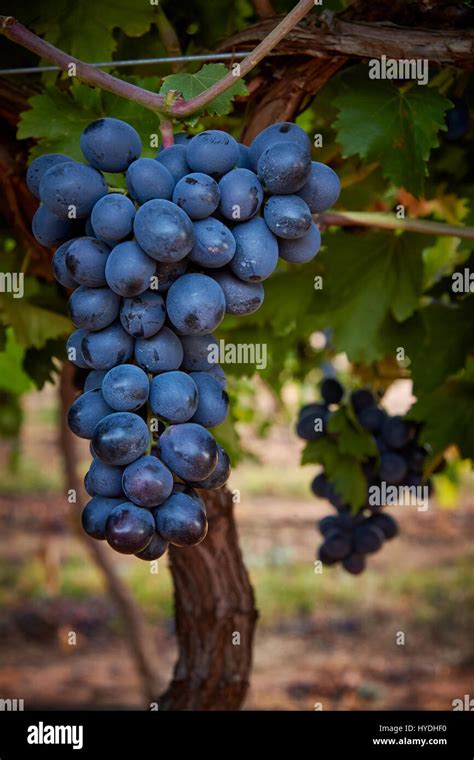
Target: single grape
[189,450]
[129,529]
[220,475]
[324,557]
[163,230]
[40,166]
[147,482]
[214,244]
[312,425]
[143,315]
[174,396]
[241,298]
[110,144]
[125,388]
[94,379]
[283,131]
[331,390]
[85,259]
[60,268]
[367,539]
[148,179]
[287,216]
[198,352]
[155,549]
[88,486]
[174,160]
[256,255]
[181,521]
[241,195]
[213,401]
[104,349]
[319,486]
[195,304]
[120,438]
[212,151]
[372,418]
[322,188]
[361,399]
[162,352]
[93,308]
[85,412]
[284,168]
[386,524]
[197,194]
[337,545]
[49,230]
[393,468]
[129,269]
[354,563]
[328,524]
[74,348]
[105,479]
[396,432]
[95,515]
[112,218]
[303,249]
[70,187]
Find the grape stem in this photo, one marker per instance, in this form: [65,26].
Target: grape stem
[390,222]
[16,32]
[166,127]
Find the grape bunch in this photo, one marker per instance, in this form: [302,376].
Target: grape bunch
[153,270]
[351,535]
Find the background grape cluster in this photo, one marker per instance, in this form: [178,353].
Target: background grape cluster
[351,535]
[153,272]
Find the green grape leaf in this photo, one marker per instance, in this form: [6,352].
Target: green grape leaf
[190,85]
[343,470]
[33,325]
[366,278]
[395,126]
[351,438]
[41,364]
[448,336]
[448,413]
[12,375]
[85,28]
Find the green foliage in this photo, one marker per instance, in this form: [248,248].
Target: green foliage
[85,28]
[396,126]
[190,85]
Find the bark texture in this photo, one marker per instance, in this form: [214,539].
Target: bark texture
[215,617]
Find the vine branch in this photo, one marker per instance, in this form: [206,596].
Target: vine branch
[390,222]
[16,32]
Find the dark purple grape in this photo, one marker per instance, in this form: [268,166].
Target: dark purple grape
[129,529]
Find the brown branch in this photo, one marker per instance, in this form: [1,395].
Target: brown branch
[18,33]
[139,639]
[390,222]
[326,35]
[168,37]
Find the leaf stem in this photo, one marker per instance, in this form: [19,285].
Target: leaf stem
[16,32]
[390,222]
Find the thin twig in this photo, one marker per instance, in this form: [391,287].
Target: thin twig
[18,33]
[390,222]
[166,127]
